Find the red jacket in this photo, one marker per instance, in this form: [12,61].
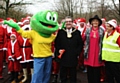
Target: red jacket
[25,49]
[3,38]
[14,52]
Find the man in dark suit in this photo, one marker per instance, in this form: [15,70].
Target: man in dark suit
[70,40]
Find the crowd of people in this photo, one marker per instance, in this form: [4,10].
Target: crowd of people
[92,47]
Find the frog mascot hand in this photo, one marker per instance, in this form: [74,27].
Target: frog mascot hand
[43,24]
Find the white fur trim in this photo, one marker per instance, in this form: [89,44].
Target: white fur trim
[24,42]
[25,21]
[18,58]
[13,35]
[20,23]
[13,43]
[26,61]
[26,26]
[9,29]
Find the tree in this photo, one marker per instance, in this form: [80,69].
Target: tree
[6,5]
[116,10]
[66,7]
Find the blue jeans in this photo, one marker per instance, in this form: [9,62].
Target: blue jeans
[42,70]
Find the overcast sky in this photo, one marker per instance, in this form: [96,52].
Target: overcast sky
[47,5]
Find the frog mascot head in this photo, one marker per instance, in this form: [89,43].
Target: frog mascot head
[44,22]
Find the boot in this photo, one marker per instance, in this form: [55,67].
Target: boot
[31,71]
[12,76]
[25,75]
[16,77]
[55,76]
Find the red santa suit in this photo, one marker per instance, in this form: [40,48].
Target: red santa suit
[103,26]
[9,31]
[118,28]
[14,54]
[2,47]
[82,30]
[25,49]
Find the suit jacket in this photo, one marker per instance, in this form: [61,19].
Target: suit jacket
[73,46]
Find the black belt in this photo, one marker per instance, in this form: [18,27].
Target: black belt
[25,46]
[13,53]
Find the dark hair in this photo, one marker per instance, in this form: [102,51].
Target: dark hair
[69,17]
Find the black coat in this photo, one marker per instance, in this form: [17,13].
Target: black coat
[72,46]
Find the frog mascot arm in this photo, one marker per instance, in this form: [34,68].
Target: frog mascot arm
[43,25]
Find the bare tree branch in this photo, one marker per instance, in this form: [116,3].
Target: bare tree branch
[115,5]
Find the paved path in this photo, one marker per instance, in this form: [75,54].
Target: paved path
[81,77]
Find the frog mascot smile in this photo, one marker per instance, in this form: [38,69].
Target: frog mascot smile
[43,24]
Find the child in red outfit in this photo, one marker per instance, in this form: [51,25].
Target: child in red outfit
[14,57]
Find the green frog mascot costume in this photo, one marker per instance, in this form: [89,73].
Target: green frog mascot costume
[43,25]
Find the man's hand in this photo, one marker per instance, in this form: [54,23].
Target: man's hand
[12,24]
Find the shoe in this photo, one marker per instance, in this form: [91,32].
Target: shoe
[102,80]
[12,76]
[9,72]
[1,77]
[4,66]
[84,71]
[54,78]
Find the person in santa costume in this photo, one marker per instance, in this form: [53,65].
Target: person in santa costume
[14,57]
[2,46]
[103,23]
[81,26]
[26,52]
[9,31]
[118,28]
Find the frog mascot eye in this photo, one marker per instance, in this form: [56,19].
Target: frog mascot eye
[55,18]
[49,16]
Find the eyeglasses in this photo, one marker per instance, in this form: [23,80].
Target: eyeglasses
[109,26]
[68,21]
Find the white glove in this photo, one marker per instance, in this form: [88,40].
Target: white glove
[13,59]
[4,49]
[10,58]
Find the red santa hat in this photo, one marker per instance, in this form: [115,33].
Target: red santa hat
[1,20]
[28,17]
[13,34]
[82,20]
[20,24]
[24,20]
[113,23]
[75,21]
[10,19]
[103,19]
